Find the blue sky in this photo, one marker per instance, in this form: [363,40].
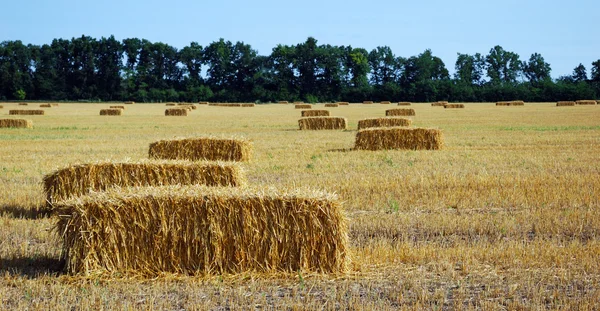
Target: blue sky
[565,33]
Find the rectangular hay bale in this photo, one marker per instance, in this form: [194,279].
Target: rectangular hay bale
[454,106]
[323,123]
[404,103]
[15,123]
[385,102]
[111,112]
[45,106]
[315,113]
[149,231]
[27,112]
[202,148]
[383,122]
[585,102]
[117,107]
[398,138]
[331,105]
[303,106]
[367,102]
[400,112]
[343,103]
[565,103]
[179,112]
[82,179]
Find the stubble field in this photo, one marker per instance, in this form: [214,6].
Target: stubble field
[505,216]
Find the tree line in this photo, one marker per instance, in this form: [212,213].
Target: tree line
[135,69]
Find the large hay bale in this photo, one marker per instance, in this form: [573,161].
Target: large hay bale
[303,106]
[111,112]
[565,103]
[400,112]
[331,105]
[45,106]
[82,179]
[367,102]
[383,122]
[202,148]
[181,112]
[27,112]
[454,106]
[323,123]
[315,113]
[399,138]
[585,102]
[15,123]
[404,103]
[203,231]
[117,107]
[385,102]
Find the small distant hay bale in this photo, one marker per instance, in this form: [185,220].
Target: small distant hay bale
[178,112]
[331,105]
[367,102]
[16,123]
[511,103]
[443,102]
[565,103]
[404,103]
[202,148]
[398,138]
[298,102]
[385,102]
[282,102]
[248,105]
[400,112]
[322,123]
[437,104]
[201,230]
[1,107]
[171,104]
[343,103]
[23,104]
[190,106]
[203,103]
[585,102]
[82,179]
[454,106]
[303,106]
[129,102]
[111,112]
[45,106]
[383,122]
[315,113]
[27,112]
[117,107]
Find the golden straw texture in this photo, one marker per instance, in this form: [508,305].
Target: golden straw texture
[323,123]
[18,123]
[181,112]
[111,112]
[383,122]
[399,138]
[315,113]
[27,112]
[203,148]
[400,112]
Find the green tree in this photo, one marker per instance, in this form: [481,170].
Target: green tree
[383,65]
[502,66]
[579,73]
[536,70]
[469,68]
[596,71]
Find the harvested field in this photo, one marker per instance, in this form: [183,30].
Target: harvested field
[400,112]
[111,112]
[383,122]
[15,123]
[323,123]
[315,113]
[82,179]
[202,148]
[399,138]
[27,112]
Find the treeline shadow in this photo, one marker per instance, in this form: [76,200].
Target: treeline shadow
[32,267]
[16,211]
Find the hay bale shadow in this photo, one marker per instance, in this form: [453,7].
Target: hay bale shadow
[16,211]
[341,150]
[32,267]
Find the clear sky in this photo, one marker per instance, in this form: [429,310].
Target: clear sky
[564,32]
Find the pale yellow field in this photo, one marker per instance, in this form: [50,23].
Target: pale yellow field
[506,216]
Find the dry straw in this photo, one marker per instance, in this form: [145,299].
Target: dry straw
[511,103]
[385,102]
[282,102]
[315,113]
[323,123]
[82,179]
[1,107]
[129,102]
[189,106]
[303,106]
[203,231]
[203,103]
[171,104]
[437,104]
[182,112]
[343,103]
[399,138]
[248,105]
[383,122]
[117,107]
[202,148]
[27,112]
[404,104]
[18,123]
[585,102]
[331,105]
[565,103]
[54,105]
[400,112]
[367,102]
[454,106]
[111,112]
[45,106]
[23,104]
